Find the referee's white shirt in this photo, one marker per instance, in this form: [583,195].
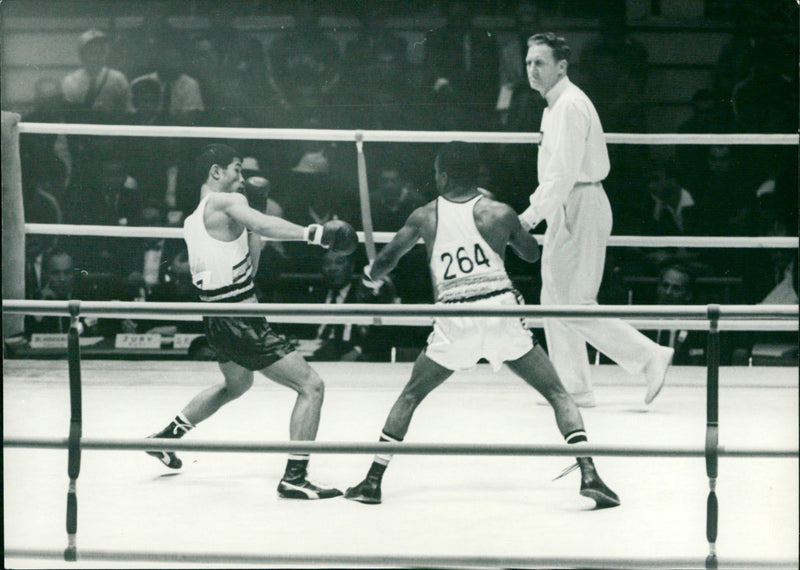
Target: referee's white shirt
[573,150]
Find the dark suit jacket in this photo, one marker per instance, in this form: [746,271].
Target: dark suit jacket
[445,57]
[339,339]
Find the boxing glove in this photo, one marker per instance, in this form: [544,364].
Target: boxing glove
[256,189]
[336,235]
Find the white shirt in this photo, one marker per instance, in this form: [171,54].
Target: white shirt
[686,201]
[338,299]
[184,92]
[114,94]
[573,150]
[152,263]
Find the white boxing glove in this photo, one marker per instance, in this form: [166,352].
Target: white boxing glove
[312,234]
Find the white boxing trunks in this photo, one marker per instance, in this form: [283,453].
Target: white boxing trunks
[458,343]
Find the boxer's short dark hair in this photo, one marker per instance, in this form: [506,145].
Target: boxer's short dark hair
[461,162]
[212,154]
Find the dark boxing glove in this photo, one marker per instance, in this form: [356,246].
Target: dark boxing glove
[257,188]
[336,235]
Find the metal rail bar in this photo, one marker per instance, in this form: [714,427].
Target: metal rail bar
[405,448]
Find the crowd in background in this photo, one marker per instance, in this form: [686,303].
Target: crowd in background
[155,74]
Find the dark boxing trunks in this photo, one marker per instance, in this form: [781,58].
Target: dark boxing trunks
[247,341]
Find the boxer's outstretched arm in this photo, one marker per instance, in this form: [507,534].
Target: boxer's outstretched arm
[402,242]
[236,206]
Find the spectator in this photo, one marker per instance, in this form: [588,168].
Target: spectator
[175,286]
[311,194]
[102,193]
[146,155]
[668,210]
[251,167]
[774,276]
[461,71]
[146,100]
[344,342]
[751,22]
[711,113]
[42,207]
[61,284]
[771,279]
[273,257]
[136,50]
[146,260]
[765,100]
[672,205]
[95,92]
[180,98]
[725,192]
[239,81]
[46,151]
[376,76]
[304,68]
[676,284]
[613,69]
[513,78]
[159,164]
[393,199]
[519,109]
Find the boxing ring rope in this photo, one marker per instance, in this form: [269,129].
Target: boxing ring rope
[52,308]
[385,237]
[396,560]
[75,443]
[351,135]
[368,448]
[713,314]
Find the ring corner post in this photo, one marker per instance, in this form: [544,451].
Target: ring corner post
[75,430]
[712,433]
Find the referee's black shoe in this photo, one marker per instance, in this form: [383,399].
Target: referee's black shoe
[594,488]
[367,492]
[302,488]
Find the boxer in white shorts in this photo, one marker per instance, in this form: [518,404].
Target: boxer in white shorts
[466,235]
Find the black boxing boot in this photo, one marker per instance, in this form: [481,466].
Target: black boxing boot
[594,488]
[295,484]
[176,429]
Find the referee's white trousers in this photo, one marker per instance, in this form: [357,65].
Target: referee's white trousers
[573,259]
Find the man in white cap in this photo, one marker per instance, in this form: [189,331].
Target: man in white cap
[94,86]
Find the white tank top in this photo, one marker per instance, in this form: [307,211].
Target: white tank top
[221,270]
[463,266]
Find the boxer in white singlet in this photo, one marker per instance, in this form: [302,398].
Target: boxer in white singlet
[466,235]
